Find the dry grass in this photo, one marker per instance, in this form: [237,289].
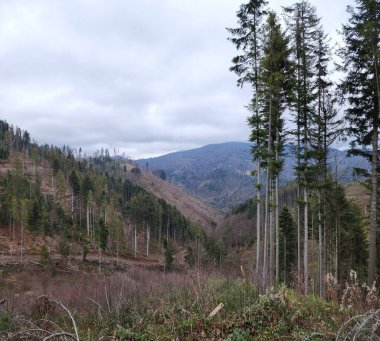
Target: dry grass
[136,298]
[82,292]
[142,304]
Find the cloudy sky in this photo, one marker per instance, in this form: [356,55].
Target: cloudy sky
[146,77]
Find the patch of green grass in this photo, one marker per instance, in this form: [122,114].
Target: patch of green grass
[5,322]
[238,334]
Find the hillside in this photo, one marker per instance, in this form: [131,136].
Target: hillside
[219,174]
[192,208]
[52,201]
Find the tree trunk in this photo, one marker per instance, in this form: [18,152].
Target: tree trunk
[277,233]
[270,198]
[306,241]
[100,260]
[147,239]
[266,220]
[72,205]
[271,237]
[117,245]
[299,217]
[284,258]
[372,266]
[135,240]
[88,219]
[277,213]
[258,219]
[320,246]
[92,223]
[336,248]
[10,228]
[22,242]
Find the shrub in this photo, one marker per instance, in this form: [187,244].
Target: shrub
[85,251]
[44,255]
[190,257]
[169,253]
[136,170]
[64,249]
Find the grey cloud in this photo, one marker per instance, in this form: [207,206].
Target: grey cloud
[146,77]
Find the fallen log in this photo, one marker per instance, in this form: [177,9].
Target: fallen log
[216,310]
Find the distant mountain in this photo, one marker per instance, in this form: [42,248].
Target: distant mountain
[220,173]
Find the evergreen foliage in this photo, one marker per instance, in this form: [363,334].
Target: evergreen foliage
[361,87]
[290,72]
[168,254]
[288,245]
[85,198]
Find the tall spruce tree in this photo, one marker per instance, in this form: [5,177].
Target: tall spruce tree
[361,86]
[303,25]
[247,39]
[325,127]
[275,86]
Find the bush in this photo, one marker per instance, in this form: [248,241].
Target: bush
[85,252]
[169,253]
[136,170]
[44,255]
[64,249]
[190,257]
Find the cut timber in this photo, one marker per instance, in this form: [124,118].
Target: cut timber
[216,310]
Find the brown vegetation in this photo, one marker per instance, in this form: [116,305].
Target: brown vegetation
[192,208]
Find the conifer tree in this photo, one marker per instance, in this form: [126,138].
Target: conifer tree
[275,87]
[303,25]
[324,128]
[169,255]
[247,38]
[361,86]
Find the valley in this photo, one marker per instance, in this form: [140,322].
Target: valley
[189,170]
[122,234]
[220,174]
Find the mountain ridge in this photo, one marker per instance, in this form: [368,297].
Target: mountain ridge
[220,173]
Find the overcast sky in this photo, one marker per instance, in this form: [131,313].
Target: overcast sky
[146,77]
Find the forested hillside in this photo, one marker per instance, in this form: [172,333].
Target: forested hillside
[346,240]
[92,203]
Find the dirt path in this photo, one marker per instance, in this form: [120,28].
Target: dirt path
[55,257]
